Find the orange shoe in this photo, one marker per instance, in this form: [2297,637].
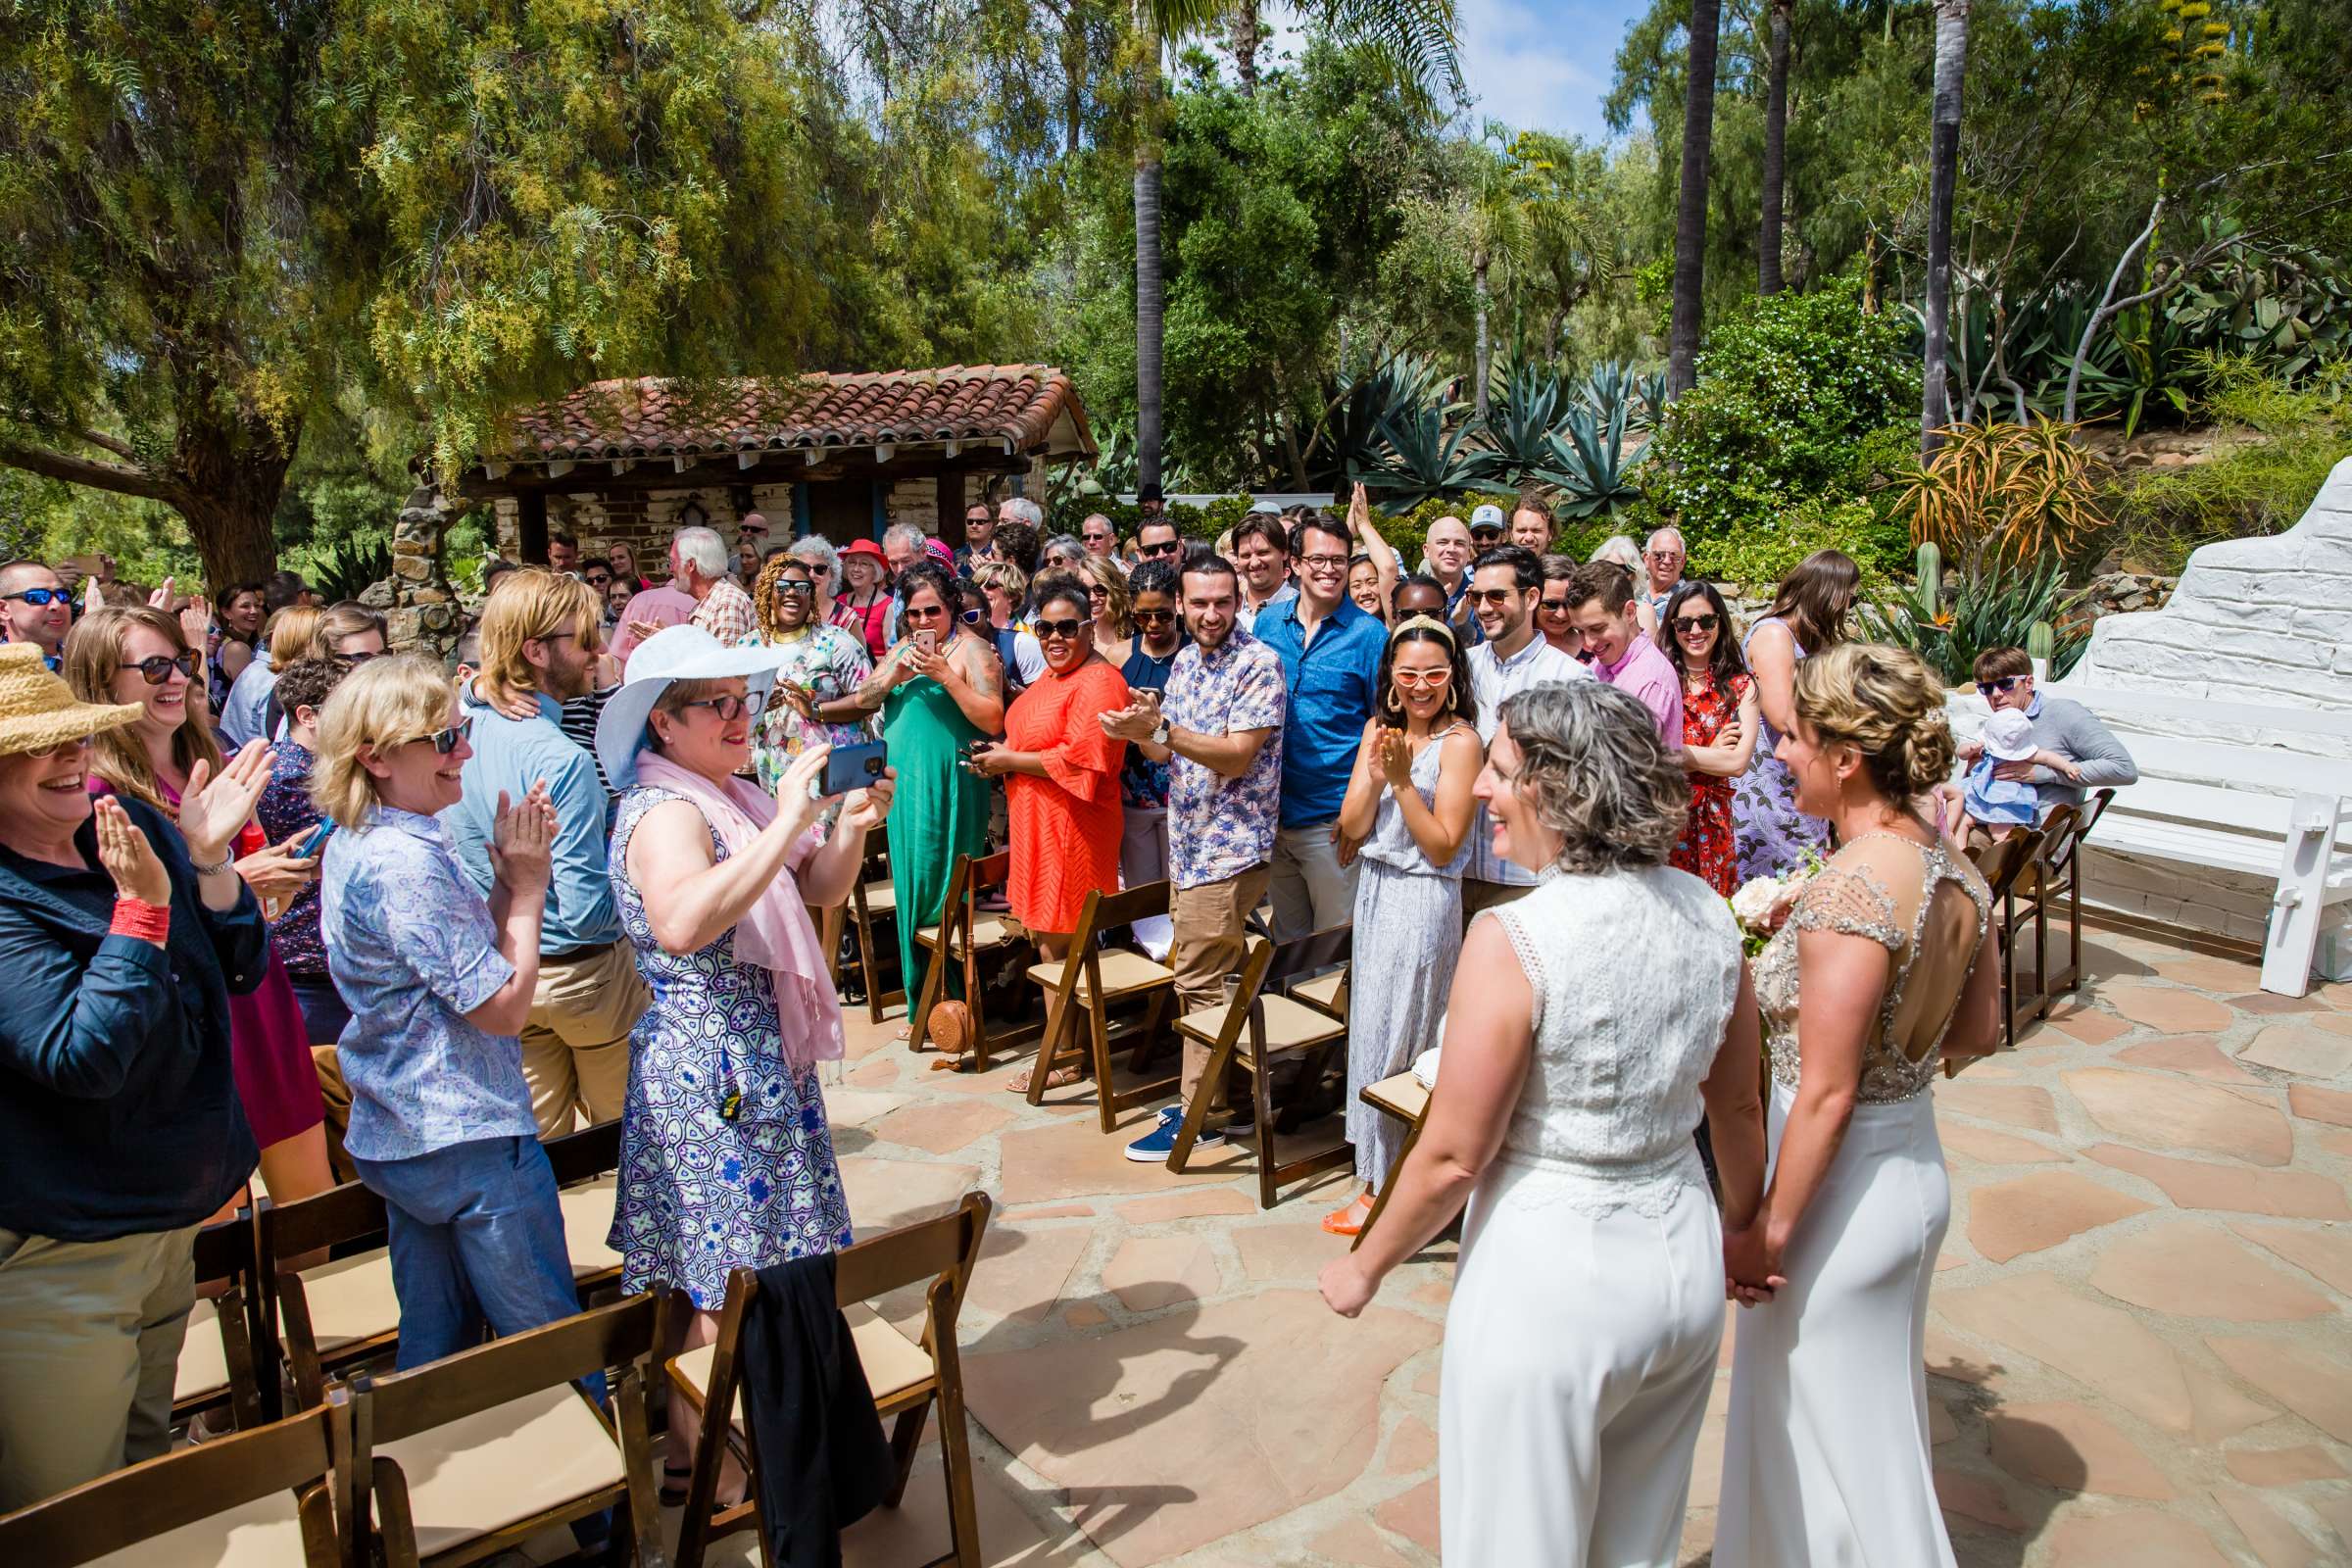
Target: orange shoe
[1347,1221]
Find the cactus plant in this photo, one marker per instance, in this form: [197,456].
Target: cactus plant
[2042,641]
[1931,579]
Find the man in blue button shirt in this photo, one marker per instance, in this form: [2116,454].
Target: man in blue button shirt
[1330,651]
[540,634]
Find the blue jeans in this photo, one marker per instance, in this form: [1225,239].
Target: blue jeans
[476,1239]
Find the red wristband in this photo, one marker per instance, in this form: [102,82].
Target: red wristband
[149,922]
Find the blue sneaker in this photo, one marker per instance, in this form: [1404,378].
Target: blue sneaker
[1155,1145]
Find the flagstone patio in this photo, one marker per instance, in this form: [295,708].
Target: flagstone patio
[2138,1353]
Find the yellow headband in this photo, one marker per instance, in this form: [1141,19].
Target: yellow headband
[1424,622]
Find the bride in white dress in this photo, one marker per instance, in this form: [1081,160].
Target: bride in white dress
[1826,1463]
[1588,1022]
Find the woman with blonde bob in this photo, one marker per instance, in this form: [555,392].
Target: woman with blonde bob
[1589,1022]
[439,982]
[1111,604]
[1827,1456]
[142,657]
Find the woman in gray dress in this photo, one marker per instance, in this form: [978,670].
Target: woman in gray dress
[1408,804]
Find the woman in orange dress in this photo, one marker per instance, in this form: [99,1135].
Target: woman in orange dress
[1060,772]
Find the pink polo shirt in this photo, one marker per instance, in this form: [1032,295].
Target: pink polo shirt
[1650,675]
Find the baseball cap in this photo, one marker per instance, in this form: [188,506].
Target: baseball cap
[1489,516]
[1267,508]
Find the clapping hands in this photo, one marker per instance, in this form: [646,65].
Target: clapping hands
[214,808]
[523,840]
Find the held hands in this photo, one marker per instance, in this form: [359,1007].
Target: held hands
[213,810]
[278,872]
[1751,1265]
[523,840]
[864,809]
[127,855]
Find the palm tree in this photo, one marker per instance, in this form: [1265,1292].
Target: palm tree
[1690,213]
[1943,175]
[1499,233]
[1776,149]
[1417,39]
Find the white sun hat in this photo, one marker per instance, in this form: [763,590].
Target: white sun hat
[2009,736]
[672,654]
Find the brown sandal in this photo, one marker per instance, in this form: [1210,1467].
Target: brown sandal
[1059,1078]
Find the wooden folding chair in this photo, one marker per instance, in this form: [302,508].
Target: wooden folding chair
[242,1500]
[2000,863]
[217,1367]
[332,1314]
[587,1167]
[965,936]
[1406,1099]
[2054,884]
[479,1451]
[1080,995]
[1258,1026]
[873,900]
[906,1378]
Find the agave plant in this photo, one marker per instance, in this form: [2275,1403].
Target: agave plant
[1420,458]
[1998,606]
[351,567]
[1398,389]
[1649,401]
[1608,387]
[1590,467]
[1520,425]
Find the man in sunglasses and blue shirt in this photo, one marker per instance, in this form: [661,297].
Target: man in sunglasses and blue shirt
[2005,680]
[34,608]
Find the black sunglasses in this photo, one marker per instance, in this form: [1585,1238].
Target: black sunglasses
[1705,622]
[1152,618]
[731,707]
[354,661]
[446,741]
[2007,683]
[1065,630]
[40,596]
[1556,606]
[795,588]
[1166,547]
[158,669]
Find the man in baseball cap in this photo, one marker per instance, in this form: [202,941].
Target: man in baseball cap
[1485,526]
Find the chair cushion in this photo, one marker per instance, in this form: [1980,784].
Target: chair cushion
[892,1362]
[503,1464]
[266,1533]
[1322,991]
[1289,1026]
[987,931]
[351,1300]
[1123,974]
[203,1358]
[1403,1096]
[881,898]
[587,1221]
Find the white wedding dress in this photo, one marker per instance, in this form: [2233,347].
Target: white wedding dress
[1587,1309]
[1825,1458]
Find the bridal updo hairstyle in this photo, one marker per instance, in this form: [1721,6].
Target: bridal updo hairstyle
[1889,705]
[1590,765]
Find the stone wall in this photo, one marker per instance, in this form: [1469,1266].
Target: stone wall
[645,519]
[422,611]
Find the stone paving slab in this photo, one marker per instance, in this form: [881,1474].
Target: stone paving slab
[2138,1349]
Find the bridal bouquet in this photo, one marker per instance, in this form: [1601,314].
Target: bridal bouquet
[1754,906]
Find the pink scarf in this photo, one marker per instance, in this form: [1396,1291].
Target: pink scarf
[774,933]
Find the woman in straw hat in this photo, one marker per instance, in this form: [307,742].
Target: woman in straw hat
[142,657]
[119,1118]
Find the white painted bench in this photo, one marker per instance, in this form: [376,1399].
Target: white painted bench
[2229,797]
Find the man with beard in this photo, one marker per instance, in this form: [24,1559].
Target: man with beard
[1505,586]
[540,635]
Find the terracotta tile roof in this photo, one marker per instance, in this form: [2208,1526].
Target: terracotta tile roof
[653,417]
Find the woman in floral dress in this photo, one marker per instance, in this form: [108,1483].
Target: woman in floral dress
[1719,728]
[818,669]
[726,1158]
[1809,613]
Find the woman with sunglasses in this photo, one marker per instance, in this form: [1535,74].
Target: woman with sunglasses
[1554,620]
[1408,803]
[142,657]
[818,669]
[726,1160]
[1719,729]
[1061,775]
[1145,663]
[1807,617]
[1109,604]
[940,692]
[439,981]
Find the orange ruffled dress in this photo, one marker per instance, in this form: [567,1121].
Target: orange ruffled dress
[1065,826]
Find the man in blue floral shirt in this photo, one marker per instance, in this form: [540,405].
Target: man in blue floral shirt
[1219,726]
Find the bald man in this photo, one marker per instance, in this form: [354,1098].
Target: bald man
[34,608]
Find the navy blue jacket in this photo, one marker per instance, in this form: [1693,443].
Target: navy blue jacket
[119,1111]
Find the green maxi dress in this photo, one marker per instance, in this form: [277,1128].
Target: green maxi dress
[939,811]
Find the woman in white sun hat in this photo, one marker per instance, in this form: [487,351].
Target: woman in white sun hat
[726,1161]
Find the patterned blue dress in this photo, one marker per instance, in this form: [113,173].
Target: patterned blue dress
[702,1193]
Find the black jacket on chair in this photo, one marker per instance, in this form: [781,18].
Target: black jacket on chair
[823,1460]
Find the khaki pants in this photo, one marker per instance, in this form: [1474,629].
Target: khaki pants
[89,1346]
[575,1043]
[328,1063]
[1208,948]
[1312,891]
[1480,895]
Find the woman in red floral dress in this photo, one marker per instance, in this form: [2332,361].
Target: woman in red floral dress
[1719,728]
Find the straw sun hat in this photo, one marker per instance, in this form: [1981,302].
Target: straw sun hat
[38,710]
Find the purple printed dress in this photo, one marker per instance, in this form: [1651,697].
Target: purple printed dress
[1773,835]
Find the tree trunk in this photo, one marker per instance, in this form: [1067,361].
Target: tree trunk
[1249,36]
[1150,295]
[1485,343]
[1943,175]
[1690,213]
[1776,151]
[233,472]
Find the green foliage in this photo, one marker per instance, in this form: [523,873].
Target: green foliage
[1760,554]
[1590,467]
[350,567]
[1793,394]
[1998,607]
[1424,459]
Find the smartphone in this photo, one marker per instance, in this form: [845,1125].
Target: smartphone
[1146,698]
[926,642]
[316,841]
[853,768]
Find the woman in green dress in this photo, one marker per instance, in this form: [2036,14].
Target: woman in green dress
[938,690]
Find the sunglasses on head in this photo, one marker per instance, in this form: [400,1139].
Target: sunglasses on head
[1691,623]
[731,707]
[1062,630]
[158,669]
[41,597]
[2007,683]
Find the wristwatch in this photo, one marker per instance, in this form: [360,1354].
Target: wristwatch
[1160,733]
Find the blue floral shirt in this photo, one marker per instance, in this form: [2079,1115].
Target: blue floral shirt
[413,949]
[1219,828]
[285,810]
